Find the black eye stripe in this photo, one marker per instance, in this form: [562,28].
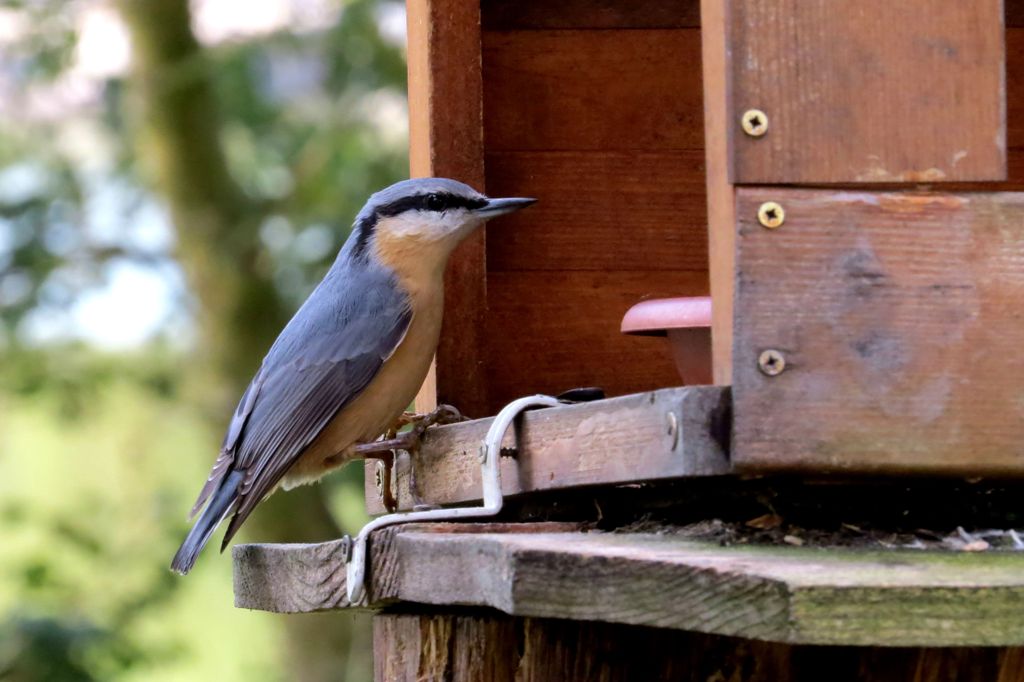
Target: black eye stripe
[365,228]
[435,201]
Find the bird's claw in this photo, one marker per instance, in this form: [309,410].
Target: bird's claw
[442,414]
[410,442]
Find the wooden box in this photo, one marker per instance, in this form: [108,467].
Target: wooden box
[631,122]
[599,115]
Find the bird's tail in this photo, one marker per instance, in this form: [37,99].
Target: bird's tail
[219,507]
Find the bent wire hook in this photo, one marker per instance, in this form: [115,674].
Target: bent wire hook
[490,475]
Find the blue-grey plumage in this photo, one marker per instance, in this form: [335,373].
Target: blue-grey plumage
[351,359]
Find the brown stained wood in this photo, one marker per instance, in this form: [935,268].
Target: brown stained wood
[1013,183]
[621,440]
[522,14]
[504,15]
[592,90]
[1015,88]
[600,211]
[718,133]
[410,646]
[869,90]
[900,320]
[773,593]
[446,139]
[549,331]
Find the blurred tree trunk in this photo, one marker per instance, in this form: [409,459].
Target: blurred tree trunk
[240,311]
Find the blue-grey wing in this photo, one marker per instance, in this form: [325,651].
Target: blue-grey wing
[324,358]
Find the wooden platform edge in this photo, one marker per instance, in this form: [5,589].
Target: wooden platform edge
[669,433]
[783,594]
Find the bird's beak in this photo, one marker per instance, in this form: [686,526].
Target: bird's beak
[496,207]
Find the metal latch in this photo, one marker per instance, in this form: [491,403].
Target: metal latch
[490,475]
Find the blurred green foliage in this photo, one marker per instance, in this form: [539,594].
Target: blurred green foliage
[102,452]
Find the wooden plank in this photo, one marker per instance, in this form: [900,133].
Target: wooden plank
[309,577]
[540,649]
[550,331]
[899,317]
[273,577]
[507,15]
[1015,87]
[446,139]
[600,211]
[862,91]
[718,132]
[774,593]
[597,90]
[615,441]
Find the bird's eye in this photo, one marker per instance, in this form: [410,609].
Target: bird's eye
[436,202]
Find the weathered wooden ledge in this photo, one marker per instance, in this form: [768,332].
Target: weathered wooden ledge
[670,433]
[786,594]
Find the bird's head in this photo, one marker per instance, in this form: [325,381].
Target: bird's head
[417,223]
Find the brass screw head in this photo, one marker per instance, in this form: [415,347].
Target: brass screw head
[754,122]
[771,215]
[378,478]
[771,362]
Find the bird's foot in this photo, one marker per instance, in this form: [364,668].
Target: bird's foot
[442,414]
[409,441]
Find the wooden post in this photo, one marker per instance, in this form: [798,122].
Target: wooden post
[446,139]
[721,202]
[480,645]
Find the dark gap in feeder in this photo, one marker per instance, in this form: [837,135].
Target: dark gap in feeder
[939,514]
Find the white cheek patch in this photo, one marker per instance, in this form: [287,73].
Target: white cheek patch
[424,225]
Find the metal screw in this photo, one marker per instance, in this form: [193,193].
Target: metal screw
[754,122]
[771,362]
[378,478]
[771,215]
[673,428]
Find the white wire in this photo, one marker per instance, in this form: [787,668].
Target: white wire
[490,475]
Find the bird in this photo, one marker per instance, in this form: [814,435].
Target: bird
[346,366]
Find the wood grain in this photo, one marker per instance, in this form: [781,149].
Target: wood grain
[550,331]
[613,14]
[718,133]
[861,91]
[621,440]
[781,594]
[589,14]
[540,649]
[446,139]
[422,648]
[600,211]
[596,90]
[1015,88]
[900,319]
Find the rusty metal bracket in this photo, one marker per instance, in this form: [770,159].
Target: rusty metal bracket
[490,475]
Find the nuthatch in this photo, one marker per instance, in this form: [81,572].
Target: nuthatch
[347,365]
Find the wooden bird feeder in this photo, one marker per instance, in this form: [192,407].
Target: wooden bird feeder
[843,179]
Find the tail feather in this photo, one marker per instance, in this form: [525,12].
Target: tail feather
[220,506]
